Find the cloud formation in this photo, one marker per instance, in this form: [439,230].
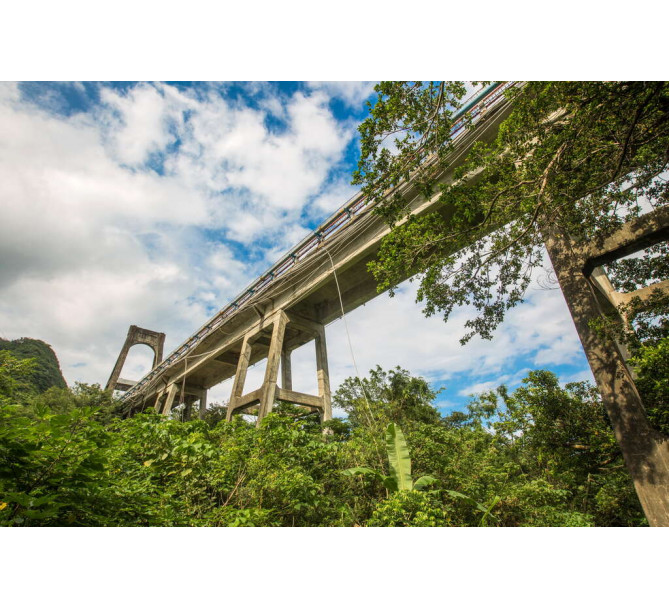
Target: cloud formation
[129,212]
[154,204]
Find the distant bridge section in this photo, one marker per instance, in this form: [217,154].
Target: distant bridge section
[290,304]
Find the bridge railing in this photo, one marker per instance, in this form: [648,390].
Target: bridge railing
[470,113]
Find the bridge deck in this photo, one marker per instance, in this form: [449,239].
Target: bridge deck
[306,287]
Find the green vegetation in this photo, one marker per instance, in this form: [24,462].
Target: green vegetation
[46,372]
[400,465]
[579,156]
[646,333]
[572,162]
[541,455]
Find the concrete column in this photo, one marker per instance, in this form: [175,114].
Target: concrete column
[240,377]
[286,371]
[158,405]
[272,370]
[323,375]
[171,394]
[188,402]
[203,403]
[645,451]
[116,372]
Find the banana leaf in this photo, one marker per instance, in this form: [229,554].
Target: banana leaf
[398,457]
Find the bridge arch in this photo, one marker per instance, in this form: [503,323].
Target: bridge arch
[136,335]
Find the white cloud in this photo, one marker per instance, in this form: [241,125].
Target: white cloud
[393,331]
[351,93]
[582,376]
[509,380]
[93,238]
[139,121]
[333,197]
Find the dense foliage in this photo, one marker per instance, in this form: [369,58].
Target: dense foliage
[46,370]
[578,156]
[541,455]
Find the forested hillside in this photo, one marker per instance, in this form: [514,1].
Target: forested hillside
[46,372]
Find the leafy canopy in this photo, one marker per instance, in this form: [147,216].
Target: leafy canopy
[583,155]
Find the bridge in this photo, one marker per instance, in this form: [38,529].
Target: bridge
[322,278]
[325,276]
[316,282]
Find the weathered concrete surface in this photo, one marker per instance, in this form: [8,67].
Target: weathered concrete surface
[646,451]
[279,349]
[136,335]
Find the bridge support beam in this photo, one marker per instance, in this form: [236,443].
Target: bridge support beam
[171,393]
[189,400]
[645,450]
[203,403]
[286,369]
[279,352]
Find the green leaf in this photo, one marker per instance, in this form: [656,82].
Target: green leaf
[487,512]
[423,482]
[361,471]
[467,499]
[398,457]
[389,482]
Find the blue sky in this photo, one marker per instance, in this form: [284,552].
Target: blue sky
[155,203]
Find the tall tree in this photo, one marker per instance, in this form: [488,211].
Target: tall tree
[572,162]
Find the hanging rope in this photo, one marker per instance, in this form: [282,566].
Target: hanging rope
[348,336]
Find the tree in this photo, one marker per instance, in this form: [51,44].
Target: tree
[46,371]
[572,162]
[579,155]
[386,396]
[15,375]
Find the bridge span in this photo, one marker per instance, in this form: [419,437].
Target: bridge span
[326,275]
[289,305]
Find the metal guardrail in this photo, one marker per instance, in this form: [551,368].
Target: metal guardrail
[336,223]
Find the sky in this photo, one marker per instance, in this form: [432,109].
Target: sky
[155,204]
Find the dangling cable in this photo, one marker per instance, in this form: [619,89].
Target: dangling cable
[372,422]
[348,336]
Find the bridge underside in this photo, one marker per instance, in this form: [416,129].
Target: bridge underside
[307,292]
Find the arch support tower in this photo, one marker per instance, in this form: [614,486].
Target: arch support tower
[136,335]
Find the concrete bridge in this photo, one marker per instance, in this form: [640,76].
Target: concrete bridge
[326,275]
[313,284]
